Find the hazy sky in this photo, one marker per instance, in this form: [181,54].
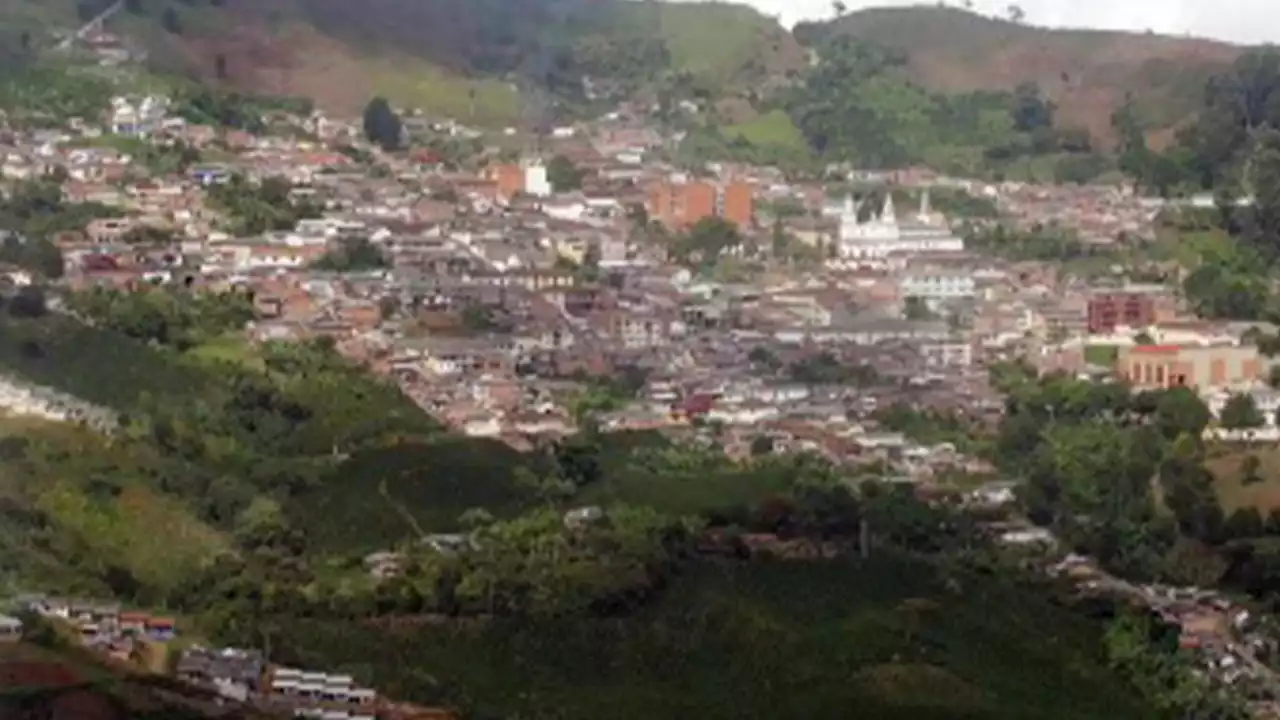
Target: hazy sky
[1251,21]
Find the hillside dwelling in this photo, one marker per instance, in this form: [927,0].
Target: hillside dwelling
[231,672]
[583,516]
[161,629]
[284,687]
[133,623]
[10,629]
[89,611]
[1027,537]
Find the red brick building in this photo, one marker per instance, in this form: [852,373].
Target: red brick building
[738,204]
[1108,311]
[680,205]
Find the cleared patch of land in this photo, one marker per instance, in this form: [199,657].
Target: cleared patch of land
[1236,489]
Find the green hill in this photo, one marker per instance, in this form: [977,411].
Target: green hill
[888,639]
[465,59]
[481,59]
[1086,73]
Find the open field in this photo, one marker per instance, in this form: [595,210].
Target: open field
[1235,490]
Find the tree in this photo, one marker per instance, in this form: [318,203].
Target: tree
[1031,111]
[1188,490]
[352,255]
[170,21]
[761,445]
[475,519]
[1135,158]
[839,8]
[563,174]
[1179,411]
[381,124]
[1016,13]
[28,302]
[916,308]
[1241,412]
[133,7]
[703,243]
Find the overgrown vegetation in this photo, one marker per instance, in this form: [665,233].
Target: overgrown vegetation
[886,637]
[31,214]
[857,106]
[260,207]
[352,254]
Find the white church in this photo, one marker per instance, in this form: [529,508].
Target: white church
[882,235]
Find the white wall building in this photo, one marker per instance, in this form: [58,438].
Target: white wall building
[536,182]
[883,235]
[937,285]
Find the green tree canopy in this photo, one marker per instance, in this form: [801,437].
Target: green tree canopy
[563,174]
[1241,412]
[381,124]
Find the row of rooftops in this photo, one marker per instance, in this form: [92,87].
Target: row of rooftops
[246,675]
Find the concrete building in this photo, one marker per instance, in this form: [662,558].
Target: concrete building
[1200,368]
[937,285]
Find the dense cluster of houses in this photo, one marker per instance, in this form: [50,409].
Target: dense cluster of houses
[243,676]
[102,626]
[502,292]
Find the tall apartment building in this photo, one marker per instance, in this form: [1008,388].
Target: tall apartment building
[680,205]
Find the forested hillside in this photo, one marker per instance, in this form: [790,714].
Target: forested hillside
[1087,74]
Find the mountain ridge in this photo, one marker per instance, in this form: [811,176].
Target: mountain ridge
[479,60]
[1087,73]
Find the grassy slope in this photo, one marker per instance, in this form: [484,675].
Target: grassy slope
[1234,492]
[69,529]
[716,41]
[811,641]
[381,497]
[340,53]
[1087,73]
[272,48]
[772,129]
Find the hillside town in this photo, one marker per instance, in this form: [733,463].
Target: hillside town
[496,297]
[529,288]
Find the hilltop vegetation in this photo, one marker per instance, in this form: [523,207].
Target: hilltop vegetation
[466,59]
[1087,74]
[933,85]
